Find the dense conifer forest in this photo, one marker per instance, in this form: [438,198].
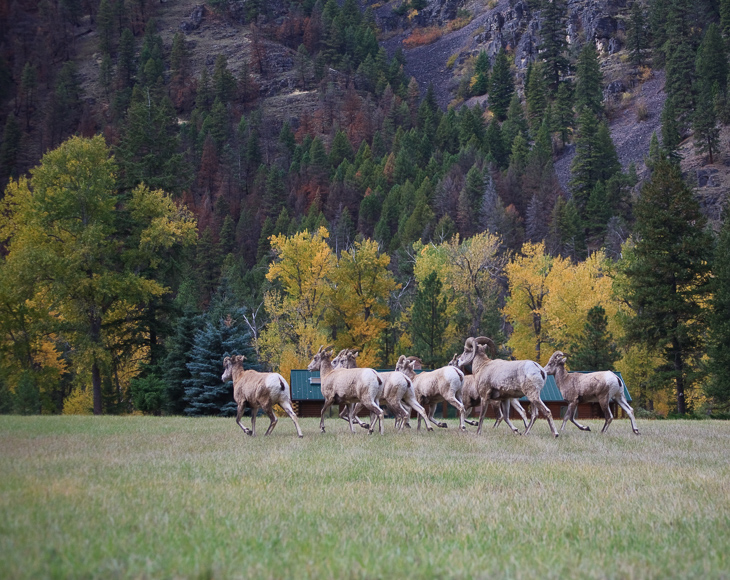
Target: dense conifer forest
[161,209]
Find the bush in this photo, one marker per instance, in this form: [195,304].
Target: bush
[148,393]
[422,36]
[642,111]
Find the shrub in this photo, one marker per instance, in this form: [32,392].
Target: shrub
[422,36]
[642,111]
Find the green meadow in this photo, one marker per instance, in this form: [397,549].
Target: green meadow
[148,497]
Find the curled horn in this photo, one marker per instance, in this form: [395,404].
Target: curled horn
[226,361]
[469,344]
[414,359]
[489,342]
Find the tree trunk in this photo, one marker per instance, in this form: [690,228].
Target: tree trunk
[96,384]
[679,368]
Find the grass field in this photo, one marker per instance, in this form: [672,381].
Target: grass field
[144,497]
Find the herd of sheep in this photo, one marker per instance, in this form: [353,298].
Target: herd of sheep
[471,379]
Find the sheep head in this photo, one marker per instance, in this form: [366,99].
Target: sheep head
[228,364]
[323,354]
[472,348]
[557,360]
[339,360]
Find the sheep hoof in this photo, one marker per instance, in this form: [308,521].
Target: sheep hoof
[556,435]
[365,425]
[443,425]
[637,431]
[300,436]
[587,428]
[408,426]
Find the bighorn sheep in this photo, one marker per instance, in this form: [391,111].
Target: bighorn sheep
[397,394]
[347,386]
[470,398]
[347,359]
[433,387]
[503,380]
[256,390]
[601,387]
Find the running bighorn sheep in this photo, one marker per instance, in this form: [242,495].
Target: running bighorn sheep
[257,390]
[503,380]
[347,359]
[433,387]
[603,387]
[347,386]
[470,398]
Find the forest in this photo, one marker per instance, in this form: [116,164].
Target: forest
[155,218]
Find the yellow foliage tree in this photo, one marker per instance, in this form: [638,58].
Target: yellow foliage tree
[361,286]
[529,277]
[302,269]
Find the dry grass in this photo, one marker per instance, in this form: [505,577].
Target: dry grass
[142,497]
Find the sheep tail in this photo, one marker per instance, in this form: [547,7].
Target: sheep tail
[281,382]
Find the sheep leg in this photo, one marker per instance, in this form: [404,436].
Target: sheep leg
[624,404]
[504,411]
[482,413]
[241,409]
[431,412]
[352,412]
[348,409]
[517,407]
[499,414]
[286,405]
[606,407]
[327,405]
[467,412]
[377,412]
[273,418]
[411,403]
[571,414]
[548,415]
[454,401]
[254,412]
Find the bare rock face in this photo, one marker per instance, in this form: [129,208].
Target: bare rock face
[438,12]
[196,17]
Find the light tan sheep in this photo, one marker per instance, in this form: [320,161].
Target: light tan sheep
[602,387]
[347,386]
[470,398]
[347,359]
[432,387]
[257,390]
[502,380]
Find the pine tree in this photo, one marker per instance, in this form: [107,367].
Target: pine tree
[669,276]
[501,86]
[680,60]
[718,386]
[704,122]
[595,350]
[105,26]
[563,117]
[480,83]
[27,400]
[537,96]
[636,35]
[495,145]
[515,123]
[588,85]
[711,65]
[179,347]
[224,83]
[429,321]
[125,60]
[470,211]
[671,135]
[205,394]
[552,47]
[585,165]
[179,57]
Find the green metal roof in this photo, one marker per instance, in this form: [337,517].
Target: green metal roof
[305,387]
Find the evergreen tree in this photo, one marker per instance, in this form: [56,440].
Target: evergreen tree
[179,57]
[552,48]
[586,163]
[563,117]
[429,321]
[179,347]
[480,83]
[501,86]
[589,79]
[537,95]
[595,350]
[711,65]
[149,147]
[470,209]
[205,394]
[636,35]
[515,123]
[27,400]
[340,150]
[495,145]
[105,26]
[669,276]
[224,83]
[719,336]
[671,135]
[680,60]
[704,122]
